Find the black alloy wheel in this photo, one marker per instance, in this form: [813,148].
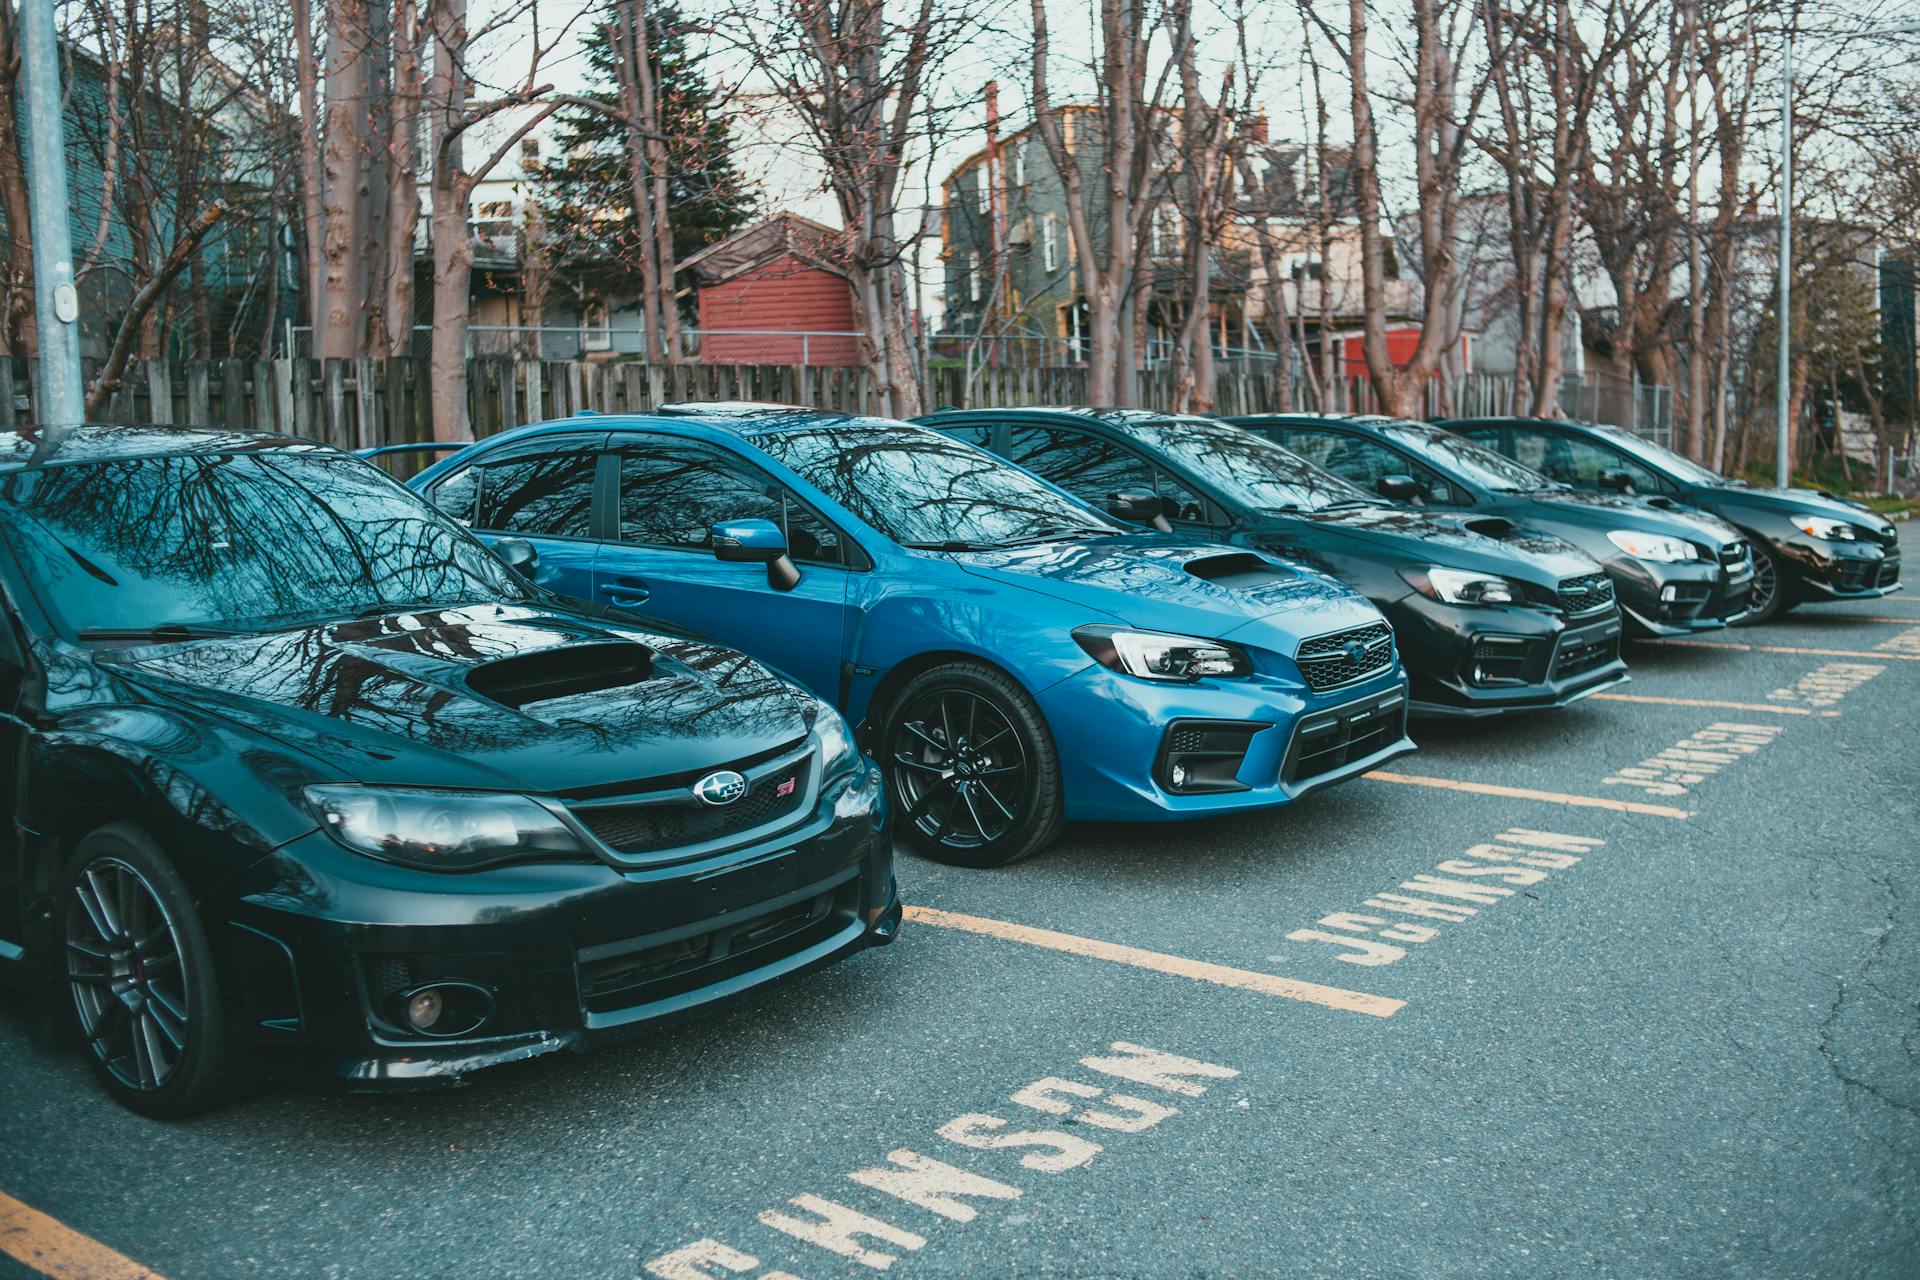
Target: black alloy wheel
[139,974]
[974,776]
[1767,598]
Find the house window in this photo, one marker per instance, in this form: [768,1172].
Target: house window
[982,191]
[596,326]
[973,277]
[1050,242]
[1020,164]
[1165,238]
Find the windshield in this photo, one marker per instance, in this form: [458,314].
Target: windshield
[235,540]
[1250,469]
[1474,463]
[1683,469]
[922,489]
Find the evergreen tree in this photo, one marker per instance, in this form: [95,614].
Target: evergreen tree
[587,191]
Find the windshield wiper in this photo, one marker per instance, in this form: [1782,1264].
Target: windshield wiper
[403,606]
[952,544]
[163,631]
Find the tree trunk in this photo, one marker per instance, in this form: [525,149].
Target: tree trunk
[18,335]
[342,323]
[403,183]
[451,234]
[313,228]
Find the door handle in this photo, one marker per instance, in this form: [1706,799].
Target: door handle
[626,591]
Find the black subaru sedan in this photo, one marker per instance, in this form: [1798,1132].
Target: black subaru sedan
[1489,617]
[1808,546]
[302,780]
[1673,571]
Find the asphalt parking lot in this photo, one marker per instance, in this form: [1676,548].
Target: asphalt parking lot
[1628,990]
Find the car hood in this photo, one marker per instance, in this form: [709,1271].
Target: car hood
[484,696]
[1167,583]
[1604,511]
[1790,502]
[1482,544]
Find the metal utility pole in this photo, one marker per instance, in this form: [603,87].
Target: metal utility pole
[1782,461]
[56,304]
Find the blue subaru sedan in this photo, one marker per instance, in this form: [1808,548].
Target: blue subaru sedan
[1013,657]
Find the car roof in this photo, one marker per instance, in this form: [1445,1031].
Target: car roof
[1076,413]
[107,442]
[744,418]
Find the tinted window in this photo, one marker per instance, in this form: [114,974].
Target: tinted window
[1477,463]
[236,539]
[1093,469]
[920,488]
[1250,468]
[671,495]
[455,495]
[978,437]
[1364,462]
[1663,458]
[1575,461]
[546,493]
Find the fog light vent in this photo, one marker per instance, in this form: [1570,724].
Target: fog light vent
[1201,756]
[442,1009]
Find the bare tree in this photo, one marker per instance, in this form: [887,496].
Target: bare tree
[1119,142]
[1205,192]
[647,162]
[17,333]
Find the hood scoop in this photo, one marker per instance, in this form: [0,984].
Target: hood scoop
[1490,526]
[1238,569]
[563,672]
[1664,503]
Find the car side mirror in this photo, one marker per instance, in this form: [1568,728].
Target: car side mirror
[1616,480]
[757,542]
[1139,506]
[1399,488]
[518,555]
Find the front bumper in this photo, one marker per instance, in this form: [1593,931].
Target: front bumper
[1466,661]
[1116,735]
[321,947]
[1860,570]
[1679,599]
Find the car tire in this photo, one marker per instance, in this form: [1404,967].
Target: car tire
[971,767]
[138,974]
[1767,570]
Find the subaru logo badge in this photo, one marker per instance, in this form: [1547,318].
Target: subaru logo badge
[1354,650]
[722,787]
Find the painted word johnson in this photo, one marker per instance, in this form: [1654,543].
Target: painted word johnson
[935,1187]
[1484,875]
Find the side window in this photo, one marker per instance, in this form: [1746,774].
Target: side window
[671,495]
[456,493]
[1363,462]
[1093,469]
[976,436]
[1578,462]
[548,494]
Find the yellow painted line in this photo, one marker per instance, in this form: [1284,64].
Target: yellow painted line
[1713,702]
[1814,619]
[1179,966]
[1527,793]
[1786,648]
[52,1248]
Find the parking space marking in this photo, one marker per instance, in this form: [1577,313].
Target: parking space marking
[1695,758]
[1415,908]
[1713,702]
[1786,648]
[1906,644]
[1179,966]
[1528,793]
[1826,684]
[52,1248]
[908,1178]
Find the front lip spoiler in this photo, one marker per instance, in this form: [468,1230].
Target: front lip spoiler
[1449,711]
[1666,629]
[1867,593]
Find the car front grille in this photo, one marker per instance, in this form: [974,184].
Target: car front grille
[1327,662]
[619,975]
[1330,740]
[1889,572]
[1584,651]
[1589,593]
[679,820]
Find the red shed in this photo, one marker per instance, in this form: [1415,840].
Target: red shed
[774,294]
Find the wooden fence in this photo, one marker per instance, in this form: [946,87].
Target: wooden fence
[358,404]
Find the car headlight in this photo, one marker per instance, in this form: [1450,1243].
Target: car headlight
[440,830]
[1653,546]
[1822,527]
[837,751]
[1156,655]
[1458,586]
